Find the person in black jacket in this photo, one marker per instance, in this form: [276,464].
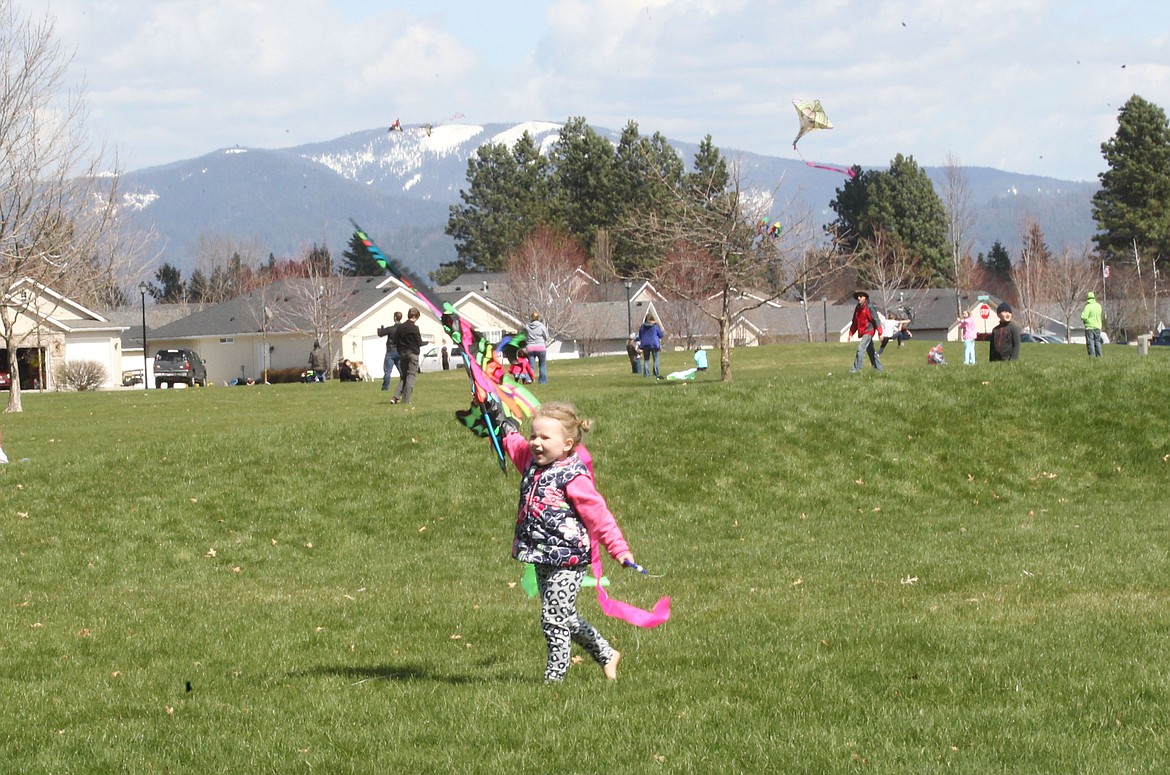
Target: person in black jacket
[1005,338]
[409,342]
[391,361]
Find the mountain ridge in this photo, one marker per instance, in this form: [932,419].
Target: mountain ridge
[400,186]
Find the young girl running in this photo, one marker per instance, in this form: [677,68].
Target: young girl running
[559,509]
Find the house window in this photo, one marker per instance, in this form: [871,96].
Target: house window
[227,340]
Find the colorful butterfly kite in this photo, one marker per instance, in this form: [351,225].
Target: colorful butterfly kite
[812,116]
[485,372]
[765,229]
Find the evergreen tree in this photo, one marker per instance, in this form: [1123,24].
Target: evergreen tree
[197,290]
[998,261]
[710,176]
[901,204]
[170,288]
[359,261]
[647,170]
[1132,207]
[320,261]
[583,183]
[506,197]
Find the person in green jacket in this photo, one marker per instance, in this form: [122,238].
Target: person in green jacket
[1091,317]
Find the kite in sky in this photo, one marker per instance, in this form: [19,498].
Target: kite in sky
[812,116]
[425,128]
[766,229]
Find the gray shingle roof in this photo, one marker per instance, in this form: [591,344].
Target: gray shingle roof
[284,299]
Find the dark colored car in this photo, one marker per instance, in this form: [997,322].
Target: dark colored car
[1163,337]
[174,366]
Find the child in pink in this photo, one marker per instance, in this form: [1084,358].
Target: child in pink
[967,334]
[559,509]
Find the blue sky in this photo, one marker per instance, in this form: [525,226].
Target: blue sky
[1029,87]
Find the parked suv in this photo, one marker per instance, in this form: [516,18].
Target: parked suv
[1163,337]
[174,366]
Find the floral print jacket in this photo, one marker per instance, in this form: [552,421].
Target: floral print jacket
[560,511]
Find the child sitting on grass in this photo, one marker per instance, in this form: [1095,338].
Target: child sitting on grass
[559,509]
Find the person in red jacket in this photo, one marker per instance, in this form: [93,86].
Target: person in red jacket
[867,325]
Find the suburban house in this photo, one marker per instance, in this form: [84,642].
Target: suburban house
[794,321]
[51,330]
[931,312]
[274,327]
[603,314]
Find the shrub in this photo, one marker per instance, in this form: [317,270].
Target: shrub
[80,375]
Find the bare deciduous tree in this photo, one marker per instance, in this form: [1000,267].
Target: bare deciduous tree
[231,266]
[543,277]
[318,299]
[726,254]
[58,198]
[891,269]
[1073,274]
[960,220]
[1033,274]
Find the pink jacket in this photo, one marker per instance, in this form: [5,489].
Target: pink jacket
[967,329]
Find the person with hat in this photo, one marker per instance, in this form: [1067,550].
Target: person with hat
[1091,317]
[866,324]
[1005,337]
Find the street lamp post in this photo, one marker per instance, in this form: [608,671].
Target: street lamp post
[629,321]
[142,289]
[825,312]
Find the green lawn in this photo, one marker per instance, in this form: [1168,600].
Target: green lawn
[931,569]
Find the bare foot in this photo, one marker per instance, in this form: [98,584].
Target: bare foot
[610,667]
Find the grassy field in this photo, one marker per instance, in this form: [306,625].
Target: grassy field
[932,569]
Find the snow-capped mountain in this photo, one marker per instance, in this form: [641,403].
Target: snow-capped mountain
[400,185]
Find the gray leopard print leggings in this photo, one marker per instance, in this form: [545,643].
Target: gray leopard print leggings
[561,623]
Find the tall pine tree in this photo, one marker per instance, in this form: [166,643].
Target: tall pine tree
[901,204]
[1132,207]
[357,261]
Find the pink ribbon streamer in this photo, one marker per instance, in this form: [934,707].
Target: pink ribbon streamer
[848,172]
[624,611]
[609,606]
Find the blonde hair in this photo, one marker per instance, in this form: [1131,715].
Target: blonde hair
[535,316]
[575,427]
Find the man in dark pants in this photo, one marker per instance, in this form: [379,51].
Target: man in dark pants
[391,361]
[409,343]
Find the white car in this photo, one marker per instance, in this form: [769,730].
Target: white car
[430,358]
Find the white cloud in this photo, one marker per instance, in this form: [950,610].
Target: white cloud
[1031,87]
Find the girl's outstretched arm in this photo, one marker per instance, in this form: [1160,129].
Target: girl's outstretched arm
[594,512]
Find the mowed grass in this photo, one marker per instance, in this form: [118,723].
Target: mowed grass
[932,569]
